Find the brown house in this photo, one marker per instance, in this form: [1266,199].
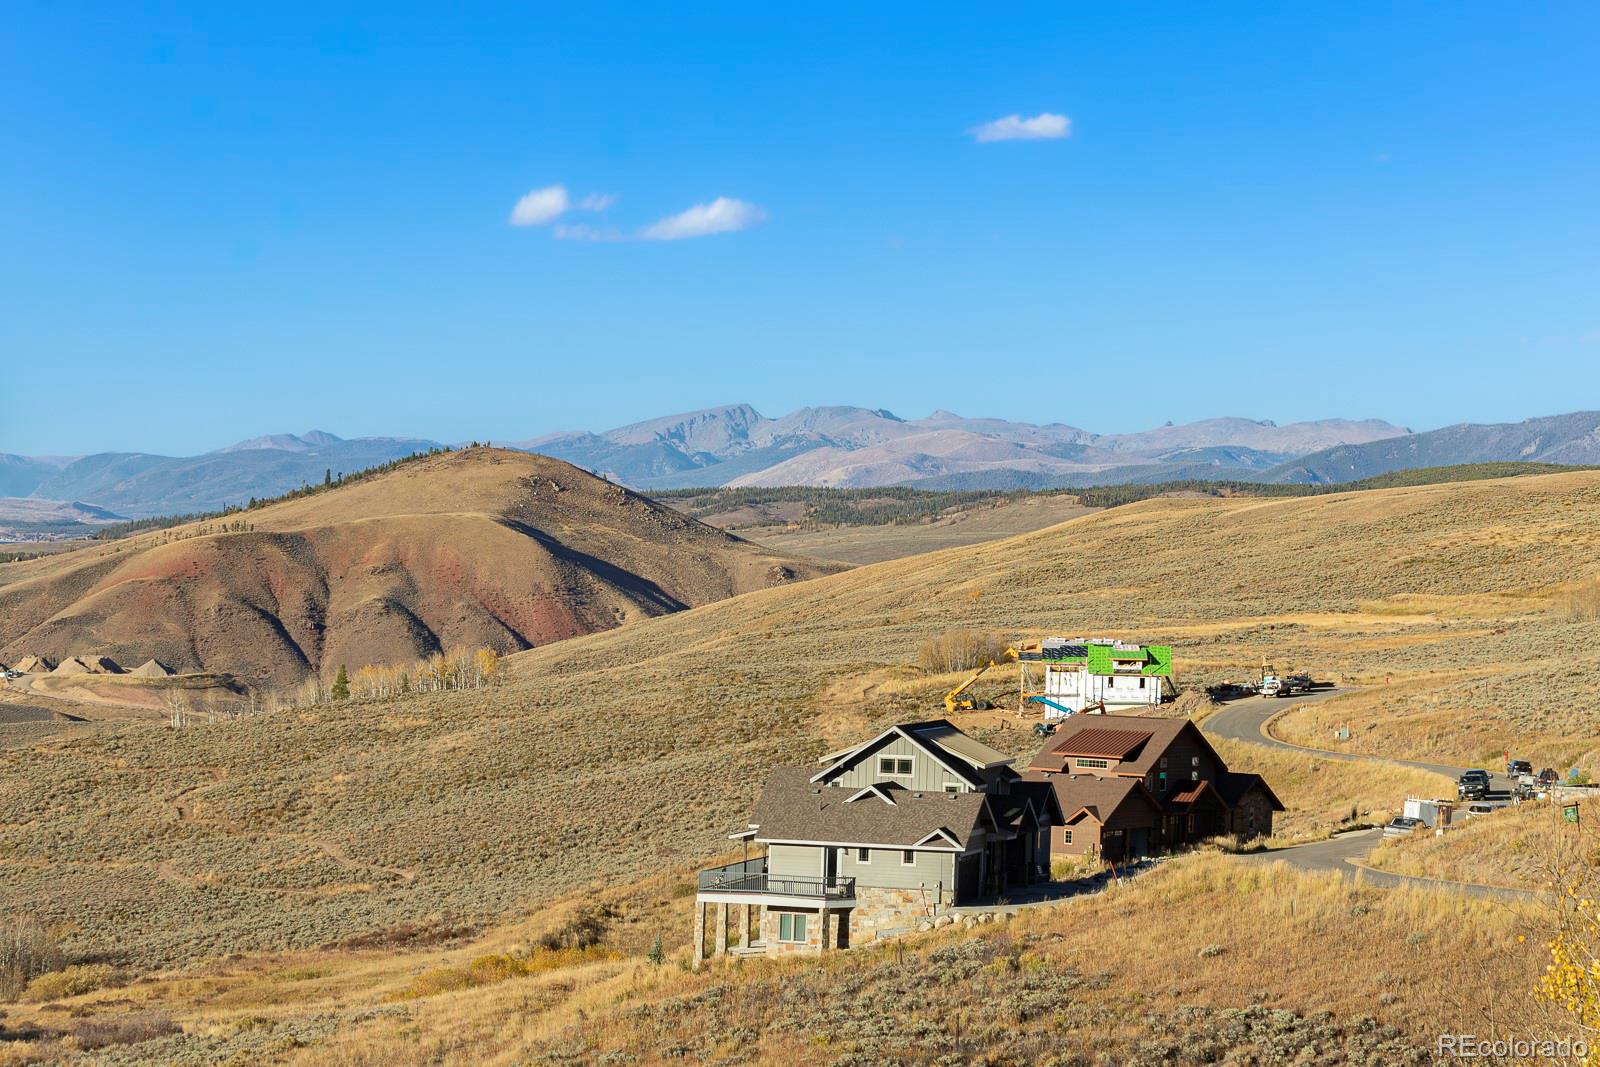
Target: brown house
[1130,784]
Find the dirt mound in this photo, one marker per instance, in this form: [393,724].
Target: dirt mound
[103,665]
[482,547]
[152,668]
[73,665]
[35,665]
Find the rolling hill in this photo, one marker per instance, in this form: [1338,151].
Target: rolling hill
[478,547]
[635,750]
[139,484]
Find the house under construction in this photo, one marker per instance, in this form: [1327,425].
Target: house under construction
[1066,675]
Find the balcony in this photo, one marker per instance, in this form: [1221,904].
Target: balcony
[751,877]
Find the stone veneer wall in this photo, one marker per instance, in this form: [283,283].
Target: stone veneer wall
[881,910]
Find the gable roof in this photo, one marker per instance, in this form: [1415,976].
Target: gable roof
[1157,733]
[939,738]
[1233,786]
[1098,796]
[794,808]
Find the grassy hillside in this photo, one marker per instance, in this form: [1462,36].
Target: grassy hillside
[637,749]
[481,547]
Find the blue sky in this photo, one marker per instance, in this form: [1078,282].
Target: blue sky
[217,223]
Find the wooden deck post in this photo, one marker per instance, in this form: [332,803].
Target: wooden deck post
[699,933]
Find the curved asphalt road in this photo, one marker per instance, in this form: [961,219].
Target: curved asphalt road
[1246,720]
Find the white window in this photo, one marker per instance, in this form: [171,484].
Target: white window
[1066,836]
[894,766]
[908,858]
[952,787]
[791,926]
[863,855]
[1093,763]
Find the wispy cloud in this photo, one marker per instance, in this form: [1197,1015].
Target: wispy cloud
[1045,126]
[541,206]
[722,215]
[582,231]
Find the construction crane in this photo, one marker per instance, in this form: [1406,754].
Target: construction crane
[954,701]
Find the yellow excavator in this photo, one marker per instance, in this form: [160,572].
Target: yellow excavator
[954,701]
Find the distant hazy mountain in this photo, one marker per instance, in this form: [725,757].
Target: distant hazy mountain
[1573,438]
[138,484]
[862,447]
[830,446]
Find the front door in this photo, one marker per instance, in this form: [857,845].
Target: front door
[830,865]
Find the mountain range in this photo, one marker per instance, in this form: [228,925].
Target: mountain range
[851,447]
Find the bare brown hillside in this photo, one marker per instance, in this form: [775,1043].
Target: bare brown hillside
[479,547]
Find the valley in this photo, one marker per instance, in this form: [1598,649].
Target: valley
[386,837]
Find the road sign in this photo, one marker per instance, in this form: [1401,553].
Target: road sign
[1569,812]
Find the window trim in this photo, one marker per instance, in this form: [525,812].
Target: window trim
[952,787]
[863,856]
[1066,835]
[796,921]
[1092,762]
[908,852]
[896,762]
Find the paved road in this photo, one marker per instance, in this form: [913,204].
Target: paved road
[1343,852]
[1246,720]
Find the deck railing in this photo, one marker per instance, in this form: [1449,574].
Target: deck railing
[751,877]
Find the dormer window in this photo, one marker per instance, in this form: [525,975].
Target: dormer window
[894,766]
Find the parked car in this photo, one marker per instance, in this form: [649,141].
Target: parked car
[1518,767]
[1473,785]
[1482,807]
[1402,825]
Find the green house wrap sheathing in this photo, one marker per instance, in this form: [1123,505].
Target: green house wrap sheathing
[1157,660]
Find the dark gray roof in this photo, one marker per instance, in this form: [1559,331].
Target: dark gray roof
[793,808]
[968,759]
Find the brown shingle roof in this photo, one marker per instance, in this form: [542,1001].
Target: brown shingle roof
[1099,795]
[1233,785]
[793,808]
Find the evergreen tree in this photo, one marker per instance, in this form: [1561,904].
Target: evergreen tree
[327,476]
[657,954]
[341,684]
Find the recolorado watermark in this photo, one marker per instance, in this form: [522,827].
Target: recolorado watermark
[1473,1047]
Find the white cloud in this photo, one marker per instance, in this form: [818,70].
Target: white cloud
[597,201]
[722,215]
[1044,126]
[541,206]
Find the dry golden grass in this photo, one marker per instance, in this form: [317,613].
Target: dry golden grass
[1523,847]
[875,544]
[607,757]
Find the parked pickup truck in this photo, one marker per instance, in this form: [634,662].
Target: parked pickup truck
[1473,785]
[1518,767]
